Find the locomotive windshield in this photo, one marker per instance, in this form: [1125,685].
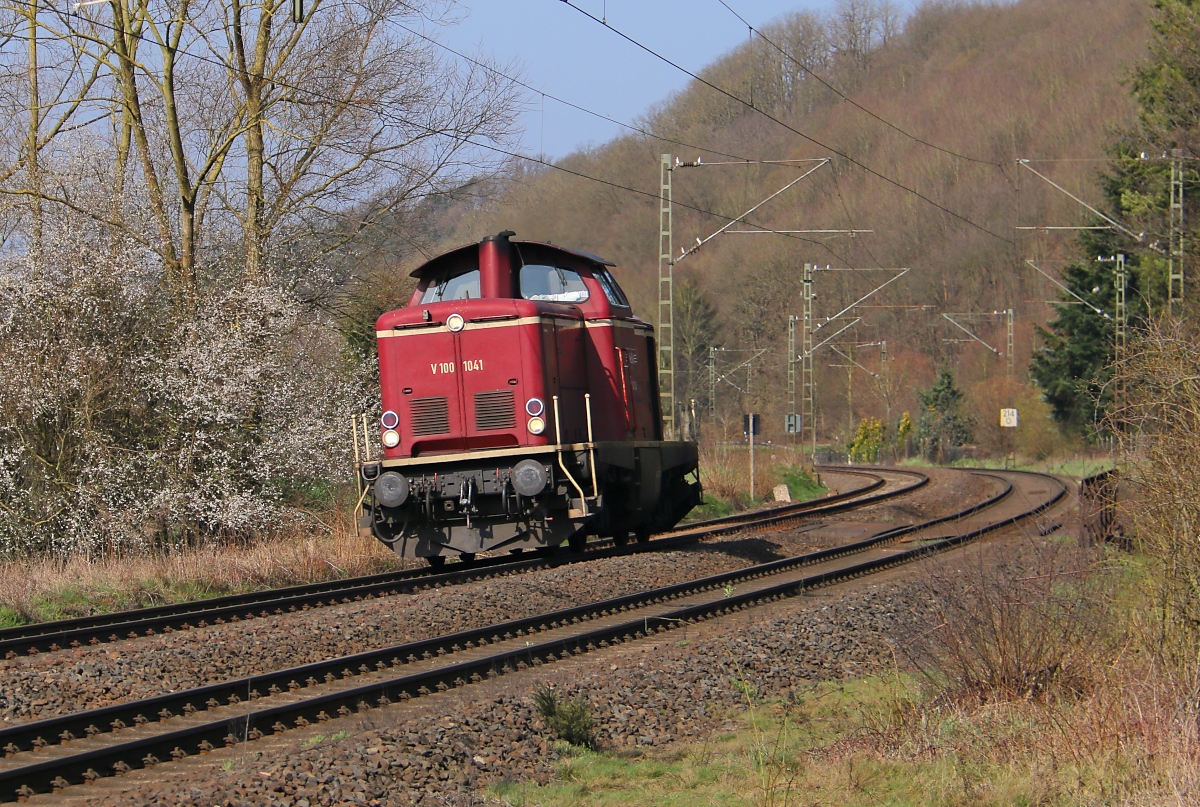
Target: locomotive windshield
[462,284]
[611,290]
[552,284]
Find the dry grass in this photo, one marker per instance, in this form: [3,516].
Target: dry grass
[725,470]
[1048,668]
[53,588]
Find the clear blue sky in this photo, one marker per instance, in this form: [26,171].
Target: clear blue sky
[564,53]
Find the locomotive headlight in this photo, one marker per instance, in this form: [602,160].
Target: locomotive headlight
[390,420]
[536,425]
[534,407]
[391,438]
[455,322]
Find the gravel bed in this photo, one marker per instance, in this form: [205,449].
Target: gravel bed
[90,677]
[72,680]
[644,696]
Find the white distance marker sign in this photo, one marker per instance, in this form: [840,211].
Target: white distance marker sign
[1008,418]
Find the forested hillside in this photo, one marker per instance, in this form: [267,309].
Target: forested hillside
[922,121]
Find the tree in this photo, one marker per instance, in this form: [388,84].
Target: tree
[174,178]
[222,120]
[1074,364]
[942,427]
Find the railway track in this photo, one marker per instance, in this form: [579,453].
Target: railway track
[58,752]
[93,630]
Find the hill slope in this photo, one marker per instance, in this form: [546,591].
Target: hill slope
[984,83]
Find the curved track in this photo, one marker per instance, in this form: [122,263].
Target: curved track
[50,754]
[92,630]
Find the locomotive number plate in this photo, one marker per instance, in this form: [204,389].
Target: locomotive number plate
[447,367]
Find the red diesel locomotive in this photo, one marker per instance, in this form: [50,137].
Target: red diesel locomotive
[520,409]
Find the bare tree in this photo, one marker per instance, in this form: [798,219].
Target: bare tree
[859,27]
[226,119]
[171,172]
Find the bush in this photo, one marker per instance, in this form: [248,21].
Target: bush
[1157,426]
[999,635]
[570,720]
[129,422]
[868,441]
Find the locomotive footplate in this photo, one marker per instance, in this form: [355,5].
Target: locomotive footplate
[527,499]
[464,505]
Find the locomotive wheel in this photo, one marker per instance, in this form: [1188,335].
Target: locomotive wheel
[436,561]
[578,541]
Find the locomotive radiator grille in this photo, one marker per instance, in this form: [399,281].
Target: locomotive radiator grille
[430,416]
[495,410]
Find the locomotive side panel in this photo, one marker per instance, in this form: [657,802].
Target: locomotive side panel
[572,379]
[610,412]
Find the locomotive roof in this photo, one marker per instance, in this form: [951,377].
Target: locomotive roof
[539,249]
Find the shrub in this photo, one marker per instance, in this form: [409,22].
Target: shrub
[997,634]
[570,720]
[868,441]
[129,423]
[1157,424]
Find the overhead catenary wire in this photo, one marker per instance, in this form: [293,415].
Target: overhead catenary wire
[894,182]
[486,146]
[738,160]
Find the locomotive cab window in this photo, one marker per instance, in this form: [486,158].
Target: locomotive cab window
[611,290]
[552,284]
[461,284]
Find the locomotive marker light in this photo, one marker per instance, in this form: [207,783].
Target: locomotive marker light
[455,322]
[390,420]
[536,425]
[391,438]
[534,407]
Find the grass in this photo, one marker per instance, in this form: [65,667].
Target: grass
[1123,736]
[710,507]
[861,744]
[801,485]
[767,760]
[1076,466]
[320,738]
[725,473]
[51,589]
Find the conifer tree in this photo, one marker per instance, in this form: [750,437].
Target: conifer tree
[942,426]
[1074,363]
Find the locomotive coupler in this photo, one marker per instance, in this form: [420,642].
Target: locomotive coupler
[466,498]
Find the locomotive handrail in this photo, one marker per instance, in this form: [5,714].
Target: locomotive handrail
[587,405]
[563,465]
